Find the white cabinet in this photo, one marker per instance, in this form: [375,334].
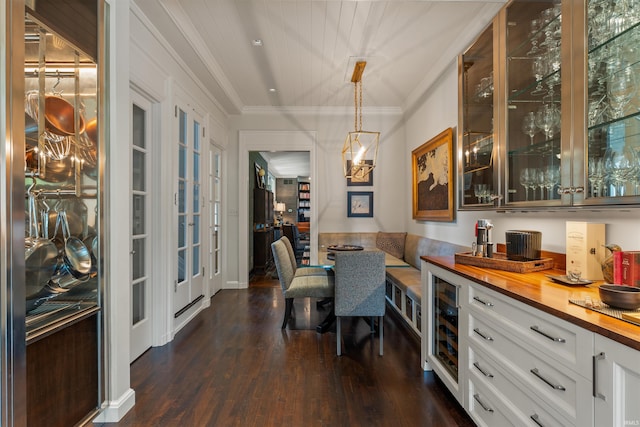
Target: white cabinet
[616,385]
[540,364]
[518,365]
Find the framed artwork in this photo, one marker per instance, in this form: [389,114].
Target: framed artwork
[360,204]
[259,177]
[359,178]
[432,166]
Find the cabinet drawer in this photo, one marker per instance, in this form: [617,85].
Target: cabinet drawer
[546,335]
[487,409]
[562,389]
[485,370]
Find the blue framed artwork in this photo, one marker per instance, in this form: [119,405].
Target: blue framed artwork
[360,204]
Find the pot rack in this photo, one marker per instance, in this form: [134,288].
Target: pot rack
[60,193]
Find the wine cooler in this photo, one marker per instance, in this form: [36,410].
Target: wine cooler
[443,326]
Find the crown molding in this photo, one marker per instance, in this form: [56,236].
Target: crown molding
[321,111]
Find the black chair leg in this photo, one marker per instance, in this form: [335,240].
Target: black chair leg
[287,311]
[321,303]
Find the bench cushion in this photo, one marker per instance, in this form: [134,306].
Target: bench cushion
[391,243]
[415,293]
[404,277]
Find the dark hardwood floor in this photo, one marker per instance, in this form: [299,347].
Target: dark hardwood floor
[234,366]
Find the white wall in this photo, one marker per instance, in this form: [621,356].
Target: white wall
[331,129]
[140,58]
[436,111]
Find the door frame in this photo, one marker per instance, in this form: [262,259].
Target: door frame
[270,141]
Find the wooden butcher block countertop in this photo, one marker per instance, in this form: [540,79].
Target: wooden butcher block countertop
[537,290]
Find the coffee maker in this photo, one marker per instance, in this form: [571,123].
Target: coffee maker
[483,247]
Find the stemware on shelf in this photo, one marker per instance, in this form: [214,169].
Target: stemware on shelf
[551,179]
[621,88]
[529,125]
[621,167]
[547,119]
[527,179]
[596,175]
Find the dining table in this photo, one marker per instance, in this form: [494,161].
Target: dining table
[325,258]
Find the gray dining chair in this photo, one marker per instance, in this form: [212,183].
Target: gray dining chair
[302,271]
[301,286]
[359,289]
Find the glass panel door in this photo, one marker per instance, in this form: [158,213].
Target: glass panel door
[140,253]
[215,206]
[613,109]
[189,202]
[533,44]
[477,139]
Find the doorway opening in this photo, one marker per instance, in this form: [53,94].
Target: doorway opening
[281,206]
[269,142]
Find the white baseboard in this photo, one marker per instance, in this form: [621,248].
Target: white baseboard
[114,410]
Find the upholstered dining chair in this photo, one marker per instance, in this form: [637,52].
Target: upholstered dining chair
[300,286]
[359,289]
[291,232]
[302,271]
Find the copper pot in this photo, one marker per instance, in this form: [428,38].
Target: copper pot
[59,116]
[91,129]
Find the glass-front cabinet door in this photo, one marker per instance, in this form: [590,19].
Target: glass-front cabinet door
[476,138]
[558,102]
[533,46]
[612,155]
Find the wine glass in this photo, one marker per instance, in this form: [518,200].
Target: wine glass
[538,181]
[539,68]
[547,118]
[533,35]
[620,165]
[480,190]
[529,125]
[551,179]
[621,87]
[595,170]
[525,181]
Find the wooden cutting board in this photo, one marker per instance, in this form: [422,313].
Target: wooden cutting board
[632,317]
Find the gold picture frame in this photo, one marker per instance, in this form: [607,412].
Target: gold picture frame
[433,185]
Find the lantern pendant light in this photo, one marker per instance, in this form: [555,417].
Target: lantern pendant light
[360,149]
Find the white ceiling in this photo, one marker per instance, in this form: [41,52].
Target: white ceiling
[309,50]
[288,164]
[309,47]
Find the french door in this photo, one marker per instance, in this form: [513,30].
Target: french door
[189,202]
[140,338]
[215,218]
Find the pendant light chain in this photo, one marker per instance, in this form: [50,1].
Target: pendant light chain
[357,91]
[360,87]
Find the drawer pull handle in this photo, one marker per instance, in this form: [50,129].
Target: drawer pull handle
[488,304]
[485,407]
[596,358]
[536,419]
[486,337]
[544,334]
[552,385]
[485,373]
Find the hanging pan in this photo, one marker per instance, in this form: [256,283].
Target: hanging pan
[41,254]
[76,256]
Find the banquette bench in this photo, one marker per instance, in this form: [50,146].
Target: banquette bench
[403,284]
